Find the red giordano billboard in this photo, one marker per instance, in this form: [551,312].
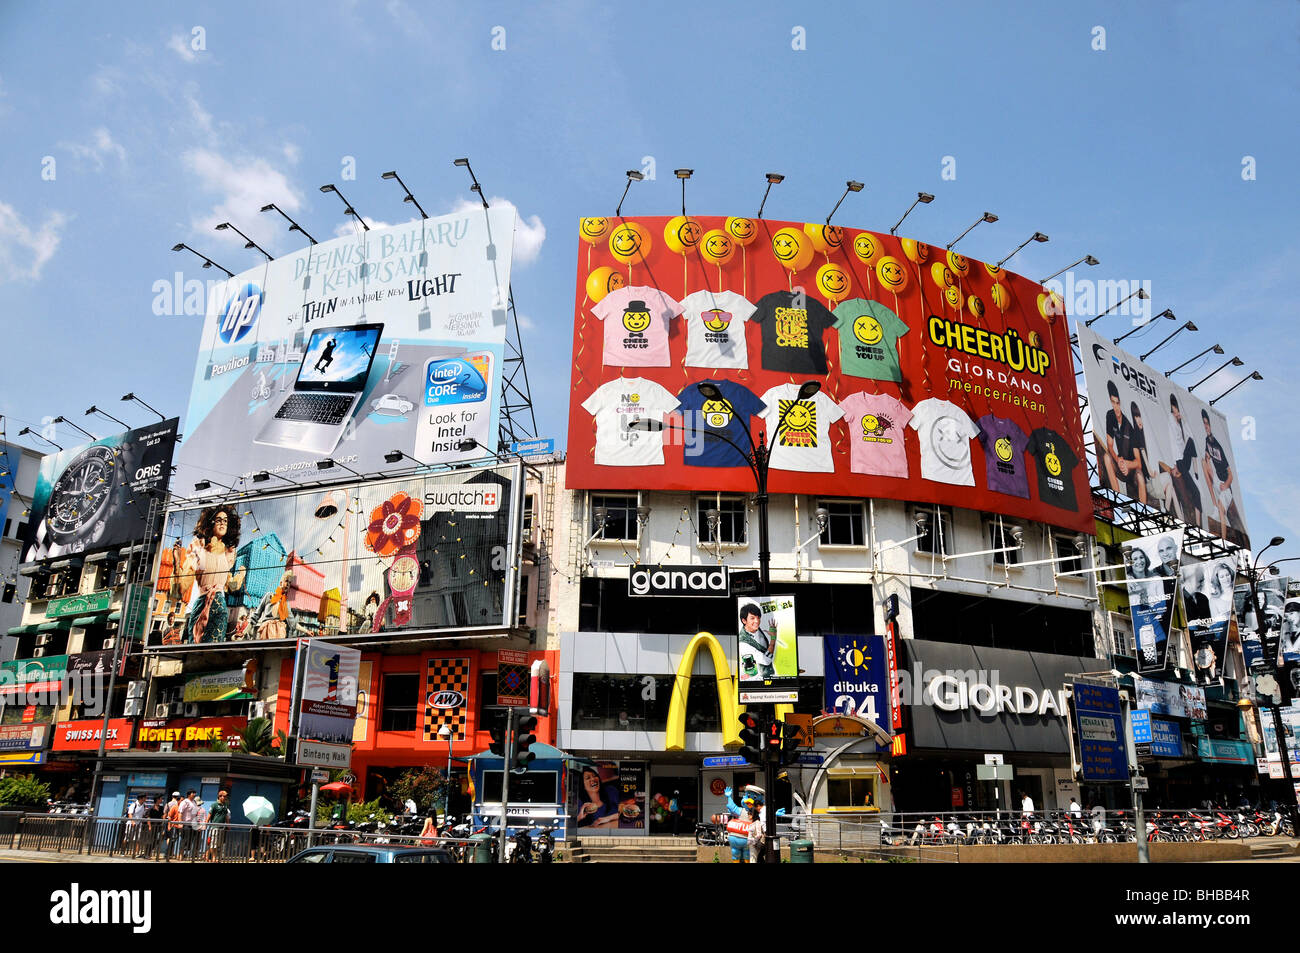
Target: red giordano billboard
[942,379]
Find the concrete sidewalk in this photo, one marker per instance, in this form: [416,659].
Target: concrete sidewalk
[66,857]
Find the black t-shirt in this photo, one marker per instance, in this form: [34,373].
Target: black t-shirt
[1121,432]
[792,332]
[1056,461]
[1218,459]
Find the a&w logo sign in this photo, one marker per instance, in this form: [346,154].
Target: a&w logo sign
[446,700]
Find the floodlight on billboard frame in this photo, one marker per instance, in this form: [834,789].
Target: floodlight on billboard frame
[403,542]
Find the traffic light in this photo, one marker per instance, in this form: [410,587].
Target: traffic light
[498,743]
[751,738]
[789,743]
[525,726]
[772,738]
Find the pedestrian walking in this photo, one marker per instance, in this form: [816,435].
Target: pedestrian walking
[218,819]
[175,826]
[188,814]
[757,834]
[135,813]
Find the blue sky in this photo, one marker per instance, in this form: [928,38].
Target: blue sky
[1133,154]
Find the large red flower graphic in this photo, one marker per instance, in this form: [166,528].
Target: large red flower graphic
[394,525]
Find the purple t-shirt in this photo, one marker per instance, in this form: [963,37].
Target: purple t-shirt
[1004,453]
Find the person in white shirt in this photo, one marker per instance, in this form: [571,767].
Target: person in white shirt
[1074,809]
[1026,805]
[189,812]
[1098,818]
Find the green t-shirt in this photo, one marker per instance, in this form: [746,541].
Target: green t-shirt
[869,334]
[220,814]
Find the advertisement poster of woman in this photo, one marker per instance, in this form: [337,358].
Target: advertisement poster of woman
[1207,605]
[1153,577]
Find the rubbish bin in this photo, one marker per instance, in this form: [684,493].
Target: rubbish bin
[801,852]
[484,848]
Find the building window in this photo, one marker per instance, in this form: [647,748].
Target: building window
[1069,556]
[845,523]
[8,523]
[1000,537]
[21,532]
[620,517]
[730,530]
[400,706]
[936,535]
[522,619]
[855,792]
[529,509]
[489,717]
[119,573]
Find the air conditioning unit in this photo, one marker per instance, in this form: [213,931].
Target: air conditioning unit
[161,710]
[43,639]
[257,710]
[135,689]
[134,706]
[178,708]
[40,653]
[191,710]
[110,644]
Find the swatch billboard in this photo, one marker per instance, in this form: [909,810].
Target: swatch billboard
[353,348]
[405,554]
[1159,444]
[96,496]
[940,378]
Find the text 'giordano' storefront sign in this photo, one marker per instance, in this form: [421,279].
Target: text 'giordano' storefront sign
[187,734]
[987,696]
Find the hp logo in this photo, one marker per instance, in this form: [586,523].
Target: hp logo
[240,314]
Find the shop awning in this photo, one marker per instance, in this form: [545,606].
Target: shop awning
[94,619]
[58,625]
[115,616]
[101,557]
[67,563]
[22,629]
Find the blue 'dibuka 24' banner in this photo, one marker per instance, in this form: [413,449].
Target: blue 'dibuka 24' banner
[856,679]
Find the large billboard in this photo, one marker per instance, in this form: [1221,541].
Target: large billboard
[350,349]
[1159,444]
[411,554]
[942,379]
[96,496]
[1152,573]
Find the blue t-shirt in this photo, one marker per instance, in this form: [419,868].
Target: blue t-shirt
[703,420]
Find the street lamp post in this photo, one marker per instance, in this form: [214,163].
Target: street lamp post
[446,732]
[759,458]
[1284,690]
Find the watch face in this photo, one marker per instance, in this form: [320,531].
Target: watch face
[82,493]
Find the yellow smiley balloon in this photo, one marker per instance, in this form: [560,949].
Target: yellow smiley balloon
[629,242]
[682,234]
[942,276]
[833,281]
[717,247]
[741,231]
[602,281]
[994,271]
[592,230]
[892,273]
[952,295]
[1050,306]
[976,305]
[825,238]
[1001,296]
[915,251]
[792,248]
[867,247]
[959,264]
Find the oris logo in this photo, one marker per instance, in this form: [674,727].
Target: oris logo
[446,700]
[240,314]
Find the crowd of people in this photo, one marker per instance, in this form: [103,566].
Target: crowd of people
[183,828]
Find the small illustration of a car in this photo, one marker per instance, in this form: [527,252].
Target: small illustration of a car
[392,404]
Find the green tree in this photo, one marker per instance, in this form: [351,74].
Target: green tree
[425,786]
[24,790]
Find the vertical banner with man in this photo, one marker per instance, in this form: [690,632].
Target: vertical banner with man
[1153,574]
[857,677]
[1207,606]
[768,652]
[326,679]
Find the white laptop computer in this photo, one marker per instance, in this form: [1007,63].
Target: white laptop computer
[331,380]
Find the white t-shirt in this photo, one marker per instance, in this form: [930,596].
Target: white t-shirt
[944,433]
[803,441]
[617,403]
[715,329]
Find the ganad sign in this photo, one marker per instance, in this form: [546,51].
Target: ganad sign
[677,581]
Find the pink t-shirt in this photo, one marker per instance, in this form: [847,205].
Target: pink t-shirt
[876,424]
[636,326]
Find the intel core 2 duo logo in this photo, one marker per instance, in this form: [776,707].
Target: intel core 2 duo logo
[240,314]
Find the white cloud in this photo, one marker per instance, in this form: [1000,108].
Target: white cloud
[242,187]
[107,81]
[199,116]
[530,233]
[525,322]
[24,251]
[101,146]
[350,228]
[180,45]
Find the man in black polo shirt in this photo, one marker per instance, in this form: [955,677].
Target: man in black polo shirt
[1122,460]
[1219,477]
